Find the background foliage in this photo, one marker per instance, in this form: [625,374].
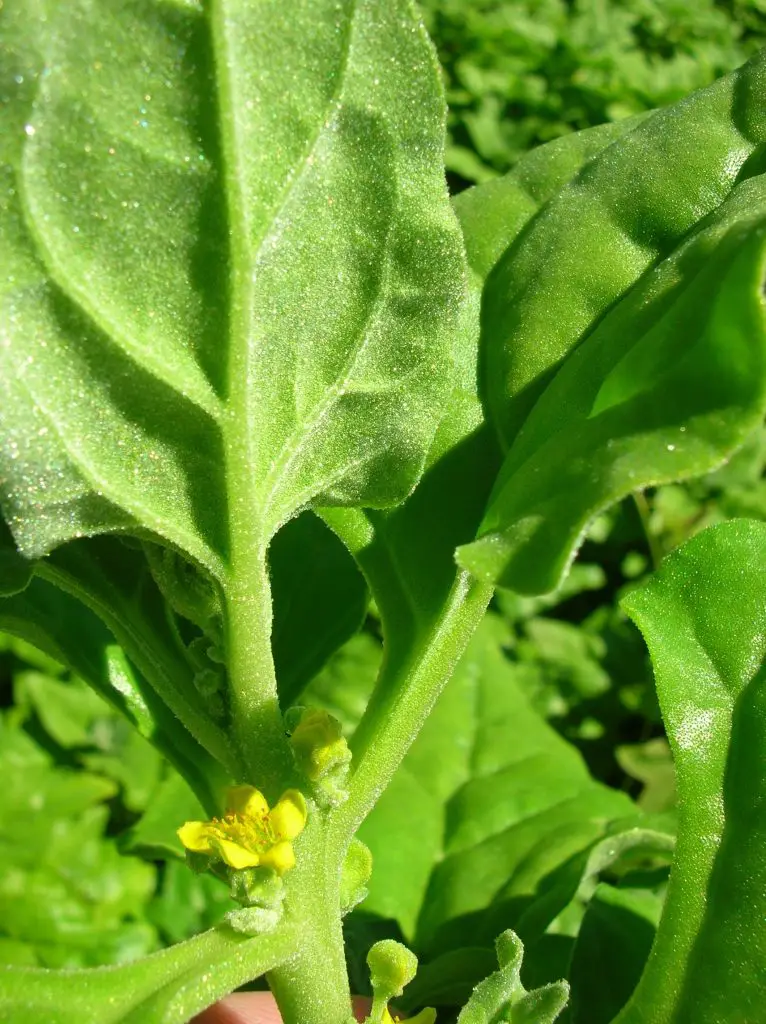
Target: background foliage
[524,72]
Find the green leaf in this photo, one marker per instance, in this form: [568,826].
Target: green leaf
[488,819]
[154,834]
[406,556]
[611,949]
[319,601]
[703,614]
[502,996]
[492,215]
[168,987]
[294,332]
[670,382]
[629,206]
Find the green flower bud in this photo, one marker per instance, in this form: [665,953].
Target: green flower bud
[321,752]
[357,868]
[392,966]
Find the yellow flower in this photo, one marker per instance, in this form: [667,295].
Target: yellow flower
[250,834]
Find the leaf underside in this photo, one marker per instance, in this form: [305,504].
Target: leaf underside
[223,299]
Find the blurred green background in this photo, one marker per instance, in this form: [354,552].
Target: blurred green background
[522,72]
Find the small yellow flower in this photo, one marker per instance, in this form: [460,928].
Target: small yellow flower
[250,834]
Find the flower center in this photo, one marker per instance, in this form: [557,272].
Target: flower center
[250,832]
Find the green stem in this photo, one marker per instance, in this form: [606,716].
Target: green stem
[312,986]
[255,713]
[400,705]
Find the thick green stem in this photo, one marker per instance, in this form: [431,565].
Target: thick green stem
[401,705]
[312,986]
[255,712]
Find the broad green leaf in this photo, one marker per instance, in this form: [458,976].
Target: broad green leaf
[407,555]
[503,997]
[488,819]
[667,385]
[492,215]
[291,344]
[168,987]
[611,949]
[703,614]
[629,206]
[319,601]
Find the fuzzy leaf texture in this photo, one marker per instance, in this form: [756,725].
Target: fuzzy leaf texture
[623,327]
[230,270]
[704,618]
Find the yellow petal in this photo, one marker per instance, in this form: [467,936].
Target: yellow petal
[247,801]
[195,836]
[289,816]
[281,857]
[236,856]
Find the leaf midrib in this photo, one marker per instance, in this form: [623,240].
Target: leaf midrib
[251,531]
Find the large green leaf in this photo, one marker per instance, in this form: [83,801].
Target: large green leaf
[408,555]
[668,384]
[488,821]
[293,333]
[704,618]
[280,171]
[492,215]
[628,206]
[619,415]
